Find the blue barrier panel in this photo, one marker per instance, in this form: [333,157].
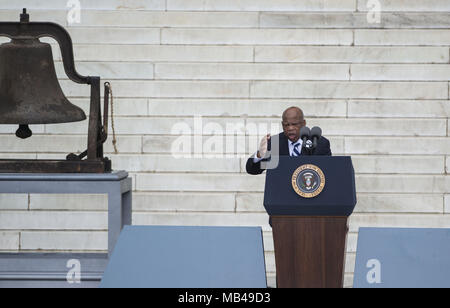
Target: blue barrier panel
[406,258]
[187,257]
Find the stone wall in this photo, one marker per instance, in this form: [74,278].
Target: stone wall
[380,92]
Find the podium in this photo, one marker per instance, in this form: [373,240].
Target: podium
[309,200]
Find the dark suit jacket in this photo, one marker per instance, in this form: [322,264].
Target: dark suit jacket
[323,148]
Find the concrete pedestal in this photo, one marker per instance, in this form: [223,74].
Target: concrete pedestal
[40,270]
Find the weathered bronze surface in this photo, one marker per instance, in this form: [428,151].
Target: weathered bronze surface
[29,89]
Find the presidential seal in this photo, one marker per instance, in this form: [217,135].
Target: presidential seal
[308,181]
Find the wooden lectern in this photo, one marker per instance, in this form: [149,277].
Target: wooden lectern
[310,229]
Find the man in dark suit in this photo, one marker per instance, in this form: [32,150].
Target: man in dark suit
[290,143]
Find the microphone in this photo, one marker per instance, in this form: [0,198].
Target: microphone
[305,134]
[316,133]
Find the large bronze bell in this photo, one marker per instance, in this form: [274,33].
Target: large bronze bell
[29,89]
[30,94]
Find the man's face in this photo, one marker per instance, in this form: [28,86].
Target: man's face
[293,121]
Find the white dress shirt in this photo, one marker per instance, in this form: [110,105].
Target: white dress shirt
[291,146]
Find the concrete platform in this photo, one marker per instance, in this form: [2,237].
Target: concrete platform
[51,270]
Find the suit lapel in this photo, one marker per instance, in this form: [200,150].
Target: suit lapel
[284,145]
[304,151]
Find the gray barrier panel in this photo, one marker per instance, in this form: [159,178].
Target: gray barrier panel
[187,257]
[398,257]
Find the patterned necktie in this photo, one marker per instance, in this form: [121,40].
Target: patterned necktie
[295,152]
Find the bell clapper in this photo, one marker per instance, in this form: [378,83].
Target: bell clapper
[24,132]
